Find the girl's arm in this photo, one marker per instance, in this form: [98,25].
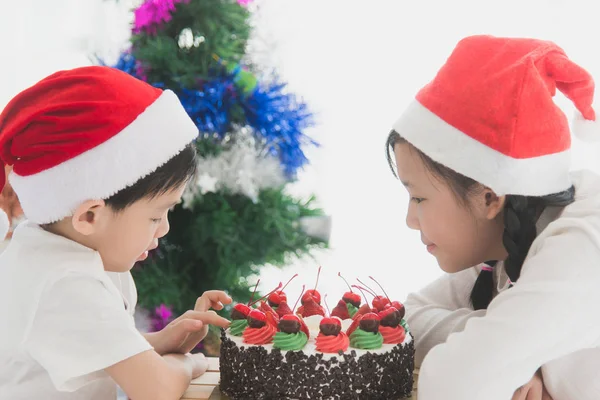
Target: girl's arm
[549,313]
[441,308]
[150,376]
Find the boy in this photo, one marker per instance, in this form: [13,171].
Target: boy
[98,159]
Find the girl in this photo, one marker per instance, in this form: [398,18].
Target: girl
[484,154]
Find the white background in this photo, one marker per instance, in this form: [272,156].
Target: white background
[357,64]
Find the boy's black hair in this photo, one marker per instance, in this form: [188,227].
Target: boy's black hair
[171,175]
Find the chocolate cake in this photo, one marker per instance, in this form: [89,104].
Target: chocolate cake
[265,372]
[355,352]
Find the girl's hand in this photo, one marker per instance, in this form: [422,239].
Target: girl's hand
[533,390]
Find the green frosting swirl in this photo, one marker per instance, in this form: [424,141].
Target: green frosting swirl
[290,341]
[360,339]
[404,325]
[237,327]
[351,309]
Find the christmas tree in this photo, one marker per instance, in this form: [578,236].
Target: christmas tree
[237,215]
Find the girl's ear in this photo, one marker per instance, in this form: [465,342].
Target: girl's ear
[494,204]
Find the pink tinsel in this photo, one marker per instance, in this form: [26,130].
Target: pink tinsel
[162,317]
[153,13]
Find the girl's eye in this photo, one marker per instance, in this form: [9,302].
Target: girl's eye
[417,199]
[156,220]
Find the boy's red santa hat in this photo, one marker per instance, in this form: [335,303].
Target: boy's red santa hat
[86,134]
[489,114]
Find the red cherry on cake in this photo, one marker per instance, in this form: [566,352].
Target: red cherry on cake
[313,295]
[352,298]
[257,319]
[240,311]
[330,326]
[379,302]
[276,298]
[289,324]
[390,317]
[398,306]
[370,322]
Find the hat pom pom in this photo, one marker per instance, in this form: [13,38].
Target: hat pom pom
[4,225]
[585,129]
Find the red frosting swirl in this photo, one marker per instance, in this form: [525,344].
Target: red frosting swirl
[332,344]
[262,335]
[392,335]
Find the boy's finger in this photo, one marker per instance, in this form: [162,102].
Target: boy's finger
[209,297]
[190,325]
[207,317]
[215,319]
[217,305]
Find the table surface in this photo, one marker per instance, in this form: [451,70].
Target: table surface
[207,385]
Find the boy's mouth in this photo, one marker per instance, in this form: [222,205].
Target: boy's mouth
[144,255]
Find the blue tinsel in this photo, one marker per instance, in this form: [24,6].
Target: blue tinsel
[210,108]
[280,119]
[276,116]
[126,63]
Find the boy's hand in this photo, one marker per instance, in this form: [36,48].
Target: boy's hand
[216,300]
[183,334]
[200,364]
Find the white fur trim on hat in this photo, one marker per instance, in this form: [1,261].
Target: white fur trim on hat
[152,139]
[585,129]
[536,176]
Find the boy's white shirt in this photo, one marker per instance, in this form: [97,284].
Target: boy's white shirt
[551,317]
[65,319]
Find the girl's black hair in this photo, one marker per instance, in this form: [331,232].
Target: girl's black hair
[171,175]
[520,216]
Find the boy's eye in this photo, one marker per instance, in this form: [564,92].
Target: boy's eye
[417,199]
[156,220]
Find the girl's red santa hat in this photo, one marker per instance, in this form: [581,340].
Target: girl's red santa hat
[85,134]
[489,114]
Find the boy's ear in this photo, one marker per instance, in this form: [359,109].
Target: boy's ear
[88,215]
